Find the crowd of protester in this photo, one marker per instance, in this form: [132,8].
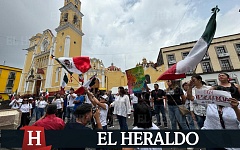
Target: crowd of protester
[76,111]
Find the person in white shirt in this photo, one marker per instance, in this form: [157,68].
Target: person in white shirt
[59,102]
[41,105]
[122,108]
[70,105]
[187,105]
[87,100]
[134,101]
[198,112]
[16,102]
[25,108]
[143,121]
[103,107]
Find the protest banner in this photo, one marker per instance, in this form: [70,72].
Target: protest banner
[136,80]
[213,97]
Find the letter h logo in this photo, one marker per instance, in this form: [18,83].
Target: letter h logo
[34,138]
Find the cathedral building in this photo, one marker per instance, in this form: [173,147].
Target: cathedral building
[40,72]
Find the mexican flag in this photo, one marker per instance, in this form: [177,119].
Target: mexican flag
[76,65]
[64,82]
[195,56]
[88,85]
[47,94]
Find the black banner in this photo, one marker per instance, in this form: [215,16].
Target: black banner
[130,138]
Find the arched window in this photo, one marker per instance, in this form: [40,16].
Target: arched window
[44,45]
[148,79]
[75,19]
[57,74]
[65,17]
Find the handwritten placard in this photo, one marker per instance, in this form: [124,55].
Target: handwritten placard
[213,97]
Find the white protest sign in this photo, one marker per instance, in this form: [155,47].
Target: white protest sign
[213,97]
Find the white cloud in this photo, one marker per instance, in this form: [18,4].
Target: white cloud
[229,22]
[140,28]
[135,29]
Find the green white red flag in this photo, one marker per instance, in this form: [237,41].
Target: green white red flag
[195,56]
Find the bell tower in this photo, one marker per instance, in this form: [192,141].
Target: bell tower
[69,31]
[70,14]
[69,38]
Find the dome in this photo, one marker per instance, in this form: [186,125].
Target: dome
[113,68]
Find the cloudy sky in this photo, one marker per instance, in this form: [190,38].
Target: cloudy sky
[118,31]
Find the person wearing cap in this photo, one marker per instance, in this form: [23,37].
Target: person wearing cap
[25,108]
[103,107]
[70,105]
[50,121]
[198,112]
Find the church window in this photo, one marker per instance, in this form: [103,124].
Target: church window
[44,45]
[57,74]
[75,19]
[65,18]
[67,1]
[74,42]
